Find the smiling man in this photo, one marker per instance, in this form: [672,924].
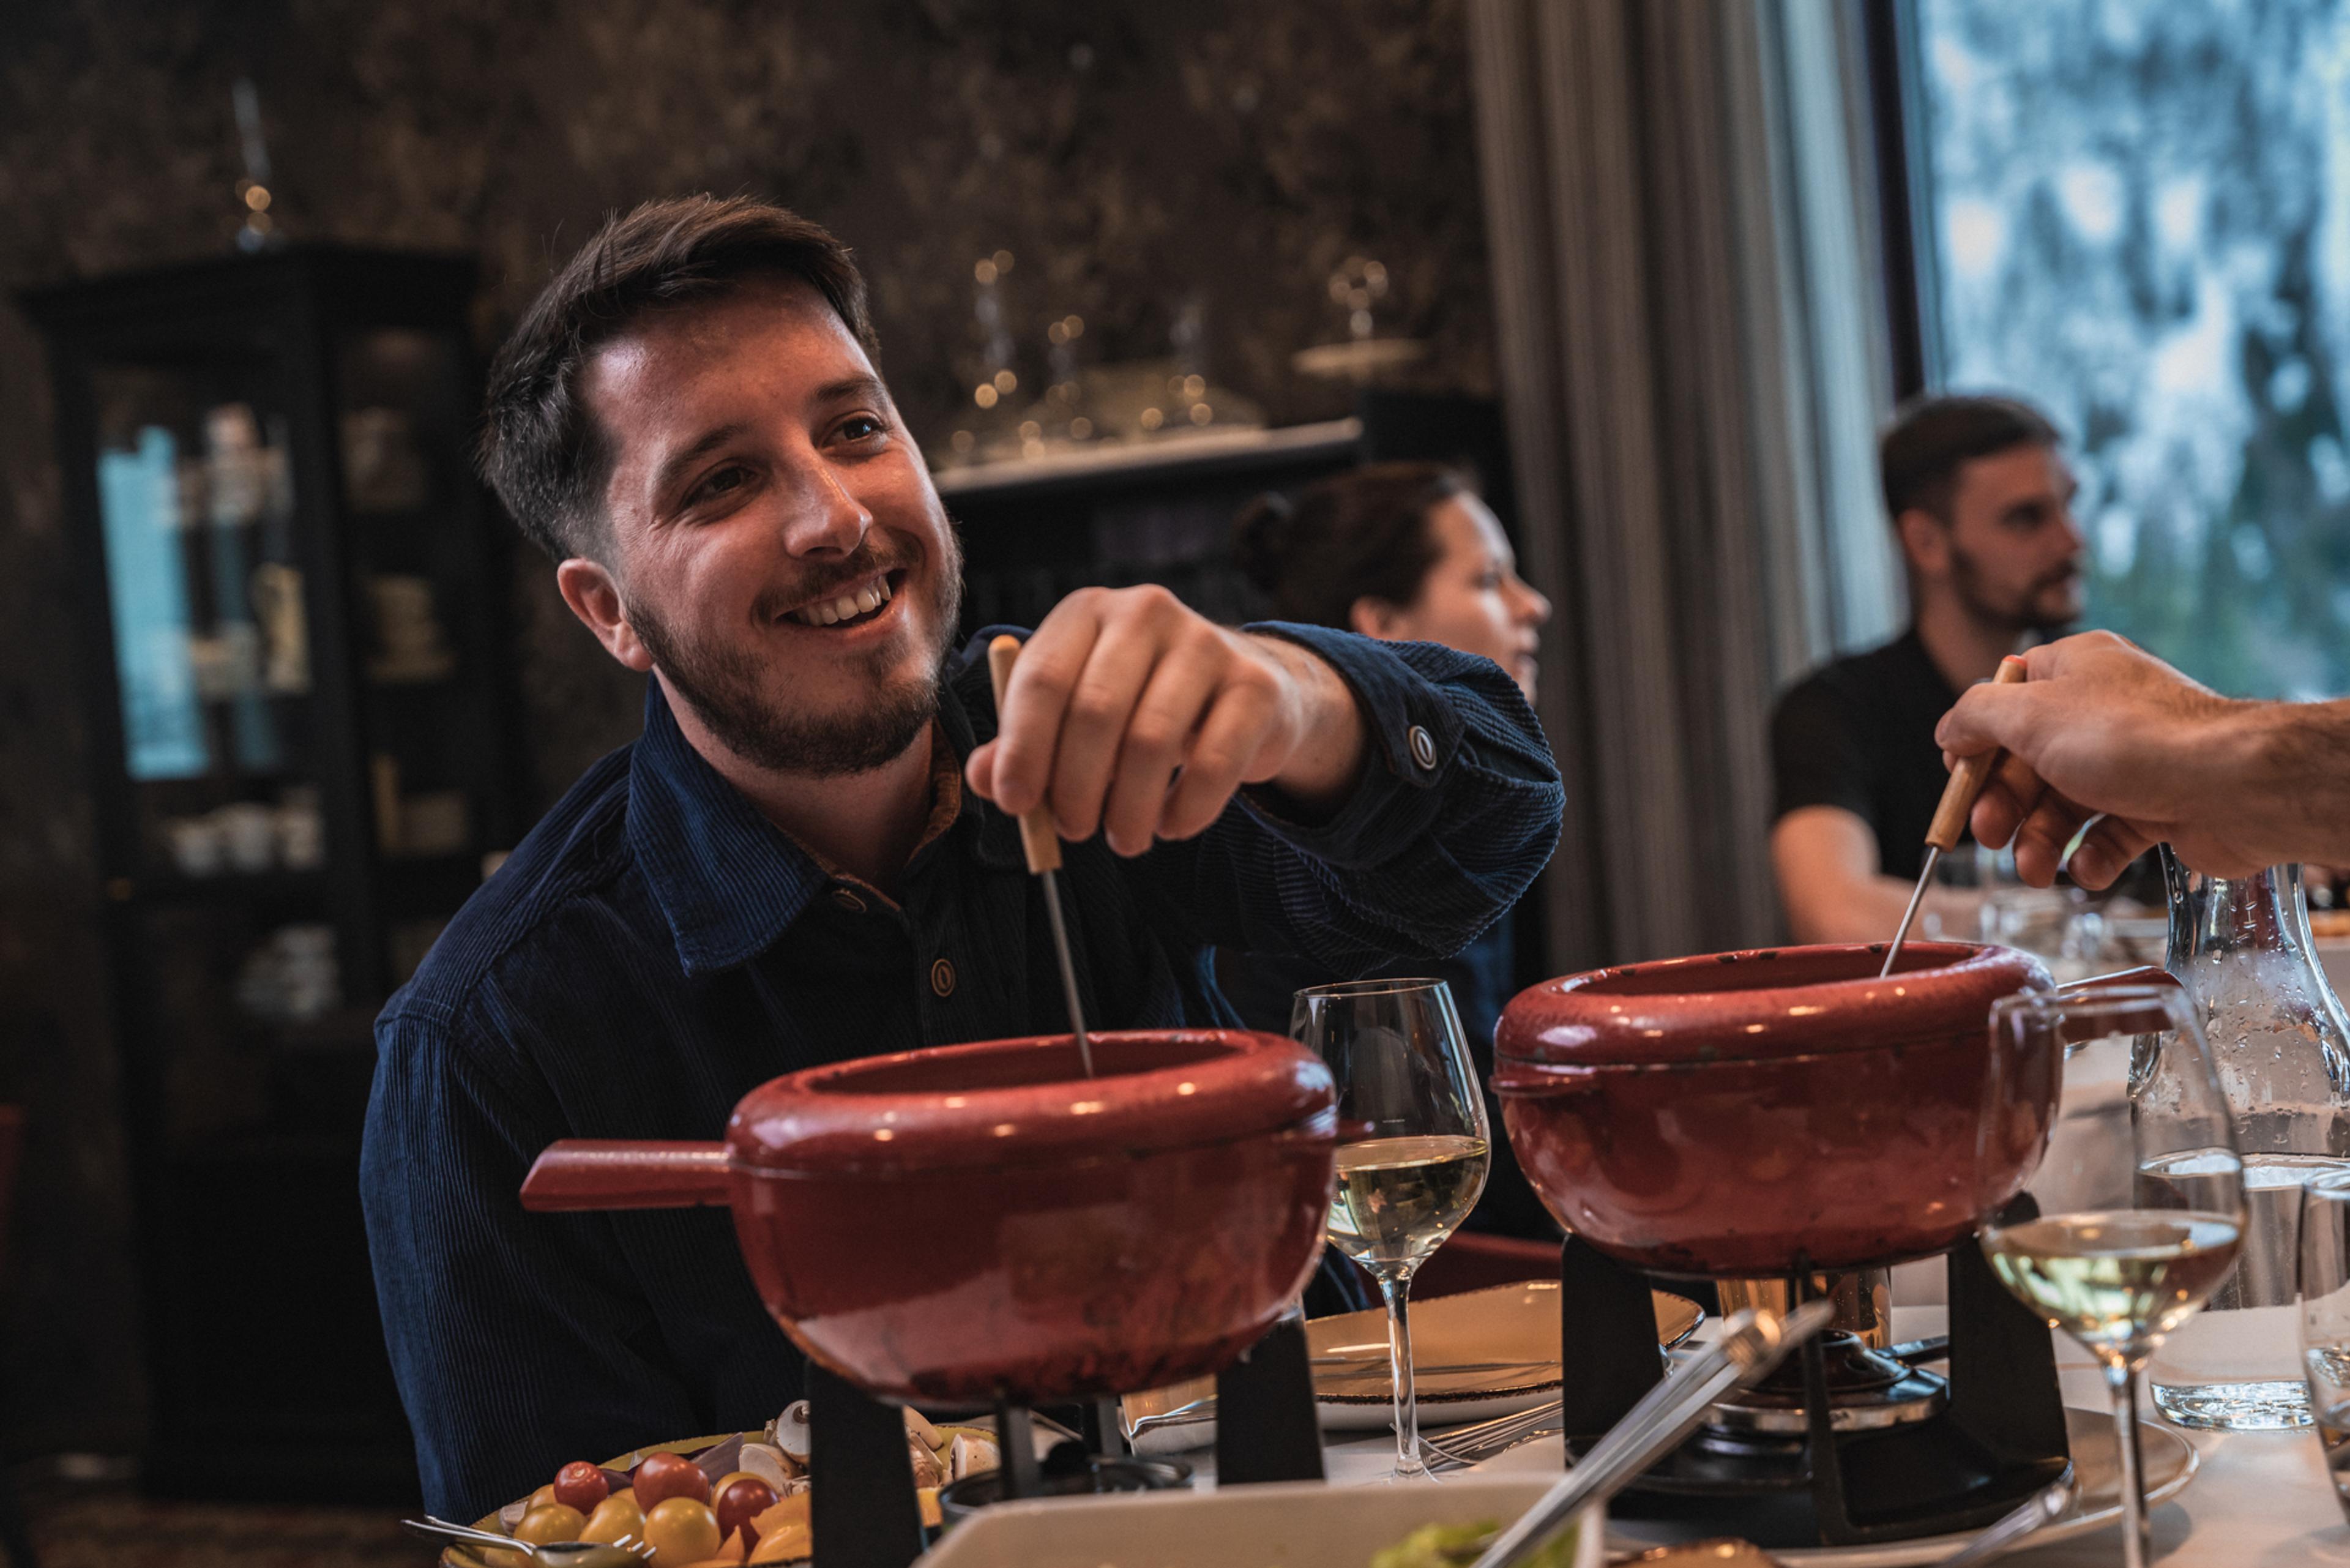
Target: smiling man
[1981,501]
[807,855]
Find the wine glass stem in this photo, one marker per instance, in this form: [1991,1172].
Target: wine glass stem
[1395,1288]
[2137,1549]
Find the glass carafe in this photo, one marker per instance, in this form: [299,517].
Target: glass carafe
[2281,1045]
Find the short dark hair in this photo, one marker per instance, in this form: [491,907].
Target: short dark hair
[540,451]
[1920,454]
[1361,535]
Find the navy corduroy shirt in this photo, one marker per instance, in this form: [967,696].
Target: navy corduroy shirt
[655,949]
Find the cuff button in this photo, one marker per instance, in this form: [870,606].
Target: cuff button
[1423,746]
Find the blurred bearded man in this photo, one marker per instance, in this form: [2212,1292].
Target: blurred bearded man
[1980,496]
[812,853]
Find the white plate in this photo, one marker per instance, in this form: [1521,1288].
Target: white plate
[1512,1327]
[2171,1464]
[1294,1524]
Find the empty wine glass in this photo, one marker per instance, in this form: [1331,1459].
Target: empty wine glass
[2137,1210]
[1413,1144]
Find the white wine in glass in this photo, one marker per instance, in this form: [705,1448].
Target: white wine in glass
[2140,1196]
[1413,1146]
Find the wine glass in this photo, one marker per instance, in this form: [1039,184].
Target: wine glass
[2137,1210]
[1413,1145]
[2324,1290]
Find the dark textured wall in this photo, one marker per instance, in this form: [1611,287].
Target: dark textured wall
[1131,155]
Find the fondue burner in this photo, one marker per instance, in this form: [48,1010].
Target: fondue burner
[1844,1444]
[1868,1390]
[1871,1383]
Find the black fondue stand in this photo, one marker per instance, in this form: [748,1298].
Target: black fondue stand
[1999,1437]
[862,1507]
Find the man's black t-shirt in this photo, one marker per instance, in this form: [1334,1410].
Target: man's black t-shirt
[1858,732]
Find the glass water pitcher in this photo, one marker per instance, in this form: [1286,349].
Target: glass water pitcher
[2281,1045]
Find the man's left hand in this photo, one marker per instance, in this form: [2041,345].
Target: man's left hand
[1132,714]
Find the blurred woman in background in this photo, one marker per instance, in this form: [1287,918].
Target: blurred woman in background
[1406,552]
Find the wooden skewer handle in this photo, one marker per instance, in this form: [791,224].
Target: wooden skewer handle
[1037,839]
[1967,780]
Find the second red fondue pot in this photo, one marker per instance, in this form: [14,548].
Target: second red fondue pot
[1750,1114]
[973,1221]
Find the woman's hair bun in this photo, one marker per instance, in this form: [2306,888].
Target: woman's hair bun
[1263,535]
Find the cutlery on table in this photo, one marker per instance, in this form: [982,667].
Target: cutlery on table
[2046,1506]
[1365,1366]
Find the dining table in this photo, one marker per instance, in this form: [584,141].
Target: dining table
[2258,1499]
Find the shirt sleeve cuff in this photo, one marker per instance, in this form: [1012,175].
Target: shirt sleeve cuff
[1412,731]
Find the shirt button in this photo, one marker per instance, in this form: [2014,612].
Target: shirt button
[942,978]
[1423,746]
[843,899]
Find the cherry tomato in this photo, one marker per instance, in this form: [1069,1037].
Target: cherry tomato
[581,1485]
[616,1516]
[665,1476]
[541,1498]
[555,1522]
[741,1500]
[680,1530]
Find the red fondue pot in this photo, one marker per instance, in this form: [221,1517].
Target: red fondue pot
[1750,1114]
[971,1221]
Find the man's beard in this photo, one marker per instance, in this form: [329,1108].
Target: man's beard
[723,686]
[2024,615]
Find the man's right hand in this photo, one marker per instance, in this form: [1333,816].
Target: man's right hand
[2102,727]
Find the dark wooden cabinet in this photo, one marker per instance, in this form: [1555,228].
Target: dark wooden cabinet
[299,712]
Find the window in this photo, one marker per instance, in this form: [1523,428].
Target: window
[2137,216]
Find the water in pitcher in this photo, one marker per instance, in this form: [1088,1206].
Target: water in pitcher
[2281,1046]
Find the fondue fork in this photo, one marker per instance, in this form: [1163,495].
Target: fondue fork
[626,1552]
[1752,1343]
[1042,845]
[1967,780]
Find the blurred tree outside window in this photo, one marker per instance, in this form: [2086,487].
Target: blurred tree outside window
[2139,217]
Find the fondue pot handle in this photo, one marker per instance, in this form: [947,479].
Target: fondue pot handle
[2143,974]
[2154,1021]
[632,1173]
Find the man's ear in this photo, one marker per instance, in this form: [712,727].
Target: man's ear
[1925,540]
[595,598]
[1375,618]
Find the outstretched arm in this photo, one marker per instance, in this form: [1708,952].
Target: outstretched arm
[2103,734]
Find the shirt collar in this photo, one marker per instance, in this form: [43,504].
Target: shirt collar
[728,881]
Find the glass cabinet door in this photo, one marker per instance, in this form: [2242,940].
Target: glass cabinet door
[407,413]
[214,661]
[211,652]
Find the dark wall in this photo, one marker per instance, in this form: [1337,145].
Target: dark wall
[1132,156]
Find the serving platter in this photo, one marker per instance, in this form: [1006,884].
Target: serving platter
[1047,1433]
[1506,1339]
[1296,1524]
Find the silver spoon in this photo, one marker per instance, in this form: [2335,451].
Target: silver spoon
[569,1553]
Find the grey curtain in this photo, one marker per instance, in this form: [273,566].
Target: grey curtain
[1675,200]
